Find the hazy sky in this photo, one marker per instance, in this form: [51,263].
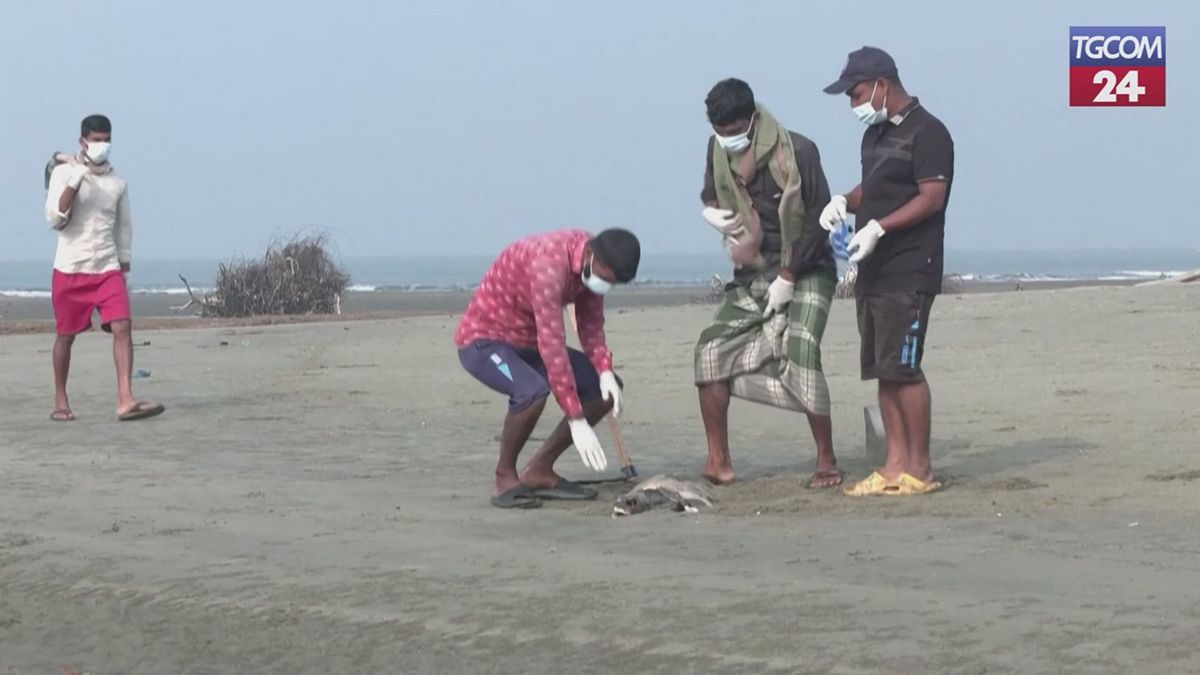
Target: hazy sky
[413,128]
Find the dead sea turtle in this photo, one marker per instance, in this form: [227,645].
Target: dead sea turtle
[681,495]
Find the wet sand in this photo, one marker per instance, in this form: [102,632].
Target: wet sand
[315,501]
[157,311]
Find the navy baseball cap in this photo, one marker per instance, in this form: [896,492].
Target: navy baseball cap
[868,63]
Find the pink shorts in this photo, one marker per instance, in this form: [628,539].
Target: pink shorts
[76,296]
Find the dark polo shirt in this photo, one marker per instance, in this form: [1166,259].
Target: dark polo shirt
[812,251]
[911,147]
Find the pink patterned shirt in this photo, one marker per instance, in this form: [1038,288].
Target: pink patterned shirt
[520,301]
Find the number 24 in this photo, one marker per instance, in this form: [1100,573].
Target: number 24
[1128,87]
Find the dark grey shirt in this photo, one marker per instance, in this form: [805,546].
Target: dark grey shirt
[812,250]
[895,158]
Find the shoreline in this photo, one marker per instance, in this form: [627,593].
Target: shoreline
[155,311]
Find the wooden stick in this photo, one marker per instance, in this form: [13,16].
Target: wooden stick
[622,453]
[191,296]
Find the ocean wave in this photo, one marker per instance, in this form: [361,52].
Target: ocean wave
[170,290]
[1019,276]
[1148,274]
[650,283]
[1119,275]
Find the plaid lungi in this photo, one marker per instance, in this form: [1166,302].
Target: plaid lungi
[777,361]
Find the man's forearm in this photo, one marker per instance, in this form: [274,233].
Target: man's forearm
[67,199]
[854,199]
[916,210]
[930,199]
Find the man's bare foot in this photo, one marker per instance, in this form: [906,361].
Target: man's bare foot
[826,478]
[923,474]
[505,482]
[719,476]
[137,410]
[891,471]
[540,479]
[62,415]
[826,474]
[62,409]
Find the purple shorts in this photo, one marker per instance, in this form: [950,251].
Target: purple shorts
[518,372]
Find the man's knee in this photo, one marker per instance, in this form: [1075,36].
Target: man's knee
[64,340]
[713,391]
[528,398]
[121,329]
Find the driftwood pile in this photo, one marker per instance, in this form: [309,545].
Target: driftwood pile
[299,277]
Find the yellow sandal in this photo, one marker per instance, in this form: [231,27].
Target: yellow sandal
[918,486]
[873,485]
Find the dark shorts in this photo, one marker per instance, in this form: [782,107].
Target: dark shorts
[518,372]
[892,326]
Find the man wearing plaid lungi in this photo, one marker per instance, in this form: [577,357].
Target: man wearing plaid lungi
[765,183]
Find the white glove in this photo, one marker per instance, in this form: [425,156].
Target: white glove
[834,213]
[75,174]
[724,221]
[611,391]
[587,444]
[864,241]
[779,294]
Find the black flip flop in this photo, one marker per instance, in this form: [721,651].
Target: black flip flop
[141,411]
[519,497]
[567,491]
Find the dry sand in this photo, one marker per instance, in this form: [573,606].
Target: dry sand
[315,501]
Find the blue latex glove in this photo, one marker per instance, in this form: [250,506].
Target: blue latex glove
[839,239]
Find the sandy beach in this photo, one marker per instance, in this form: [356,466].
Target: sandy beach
[315,501]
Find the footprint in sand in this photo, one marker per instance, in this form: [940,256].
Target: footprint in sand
[1184,476]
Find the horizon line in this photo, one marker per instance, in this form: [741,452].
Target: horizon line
[426,256]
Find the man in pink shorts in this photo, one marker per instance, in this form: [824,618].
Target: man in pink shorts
[88,204]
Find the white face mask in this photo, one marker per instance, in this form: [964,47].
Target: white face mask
[867,114]
[97,151]
[738,143]
[594,283]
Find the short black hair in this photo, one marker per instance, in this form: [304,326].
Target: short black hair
[97,123]
[620,251]
[728,101]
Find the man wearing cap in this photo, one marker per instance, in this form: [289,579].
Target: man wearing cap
[512,339]
[900,217]
[763,190]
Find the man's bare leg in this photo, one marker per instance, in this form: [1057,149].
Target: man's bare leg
[539,472]
[916,408]
[517,428]
[895,429]
[122,332]
[714,410]
[62,368]
[826,474]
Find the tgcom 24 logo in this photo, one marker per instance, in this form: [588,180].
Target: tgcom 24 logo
[1118,66]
